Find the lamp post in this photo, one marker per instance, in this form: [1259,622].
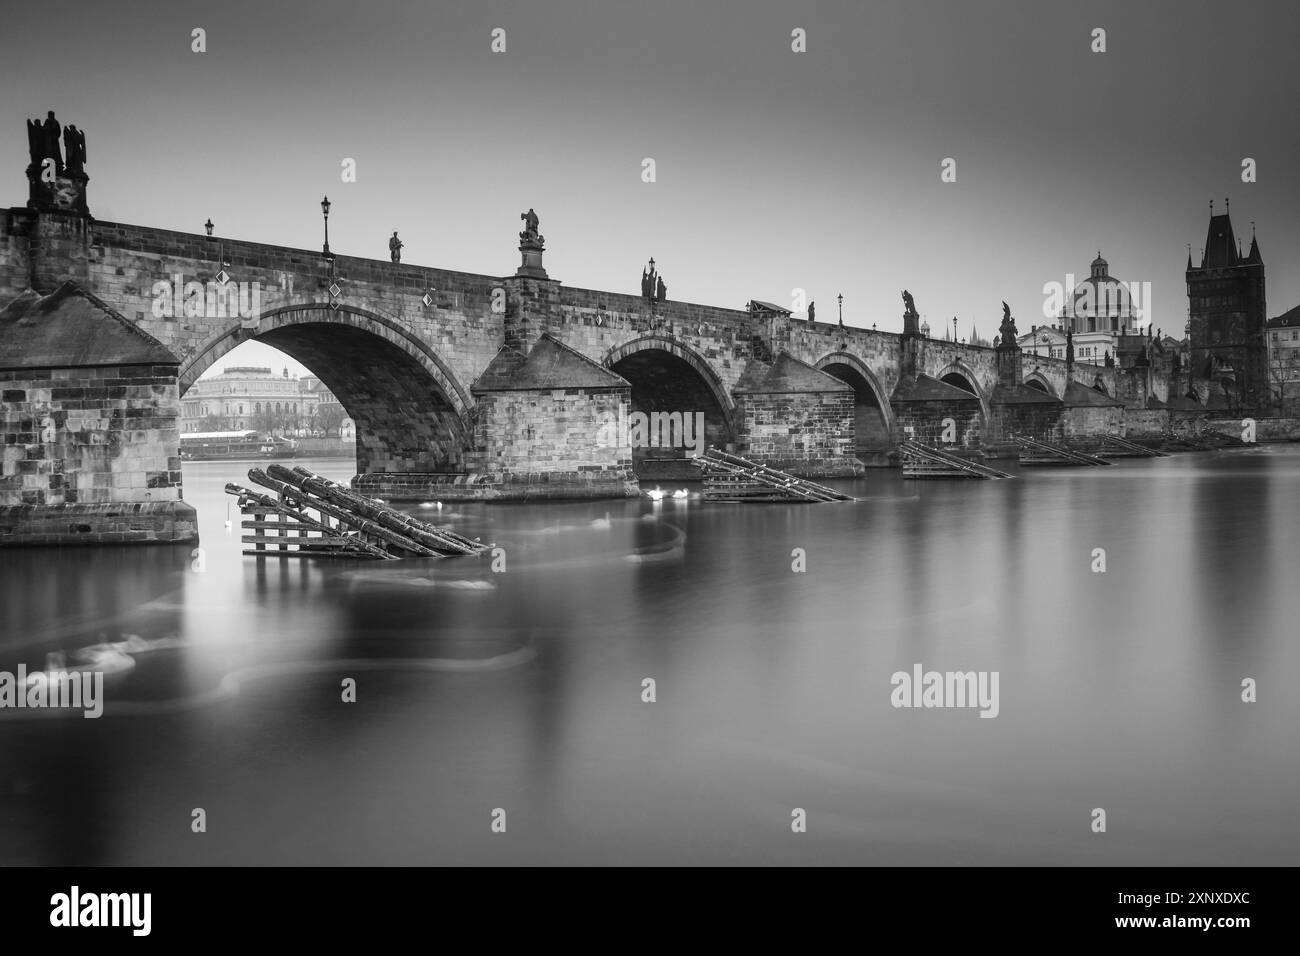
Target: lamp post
[325,208]
[954,328]
[840,298]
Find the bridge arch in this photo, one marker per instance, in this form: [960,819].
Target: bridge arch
[667,375]
[1038,381]
[409,409]
[960,375]
[873,416]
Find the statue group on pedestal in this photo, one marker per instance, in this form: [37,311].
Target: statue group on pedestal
[530,235]
[1007,331]
[652,284]
[43,144]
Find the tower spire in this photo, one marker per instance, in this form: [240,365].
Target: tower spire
[1253,257]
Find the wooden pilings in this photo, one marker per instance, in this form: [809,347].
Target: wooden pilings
[363,527]
[729,477]
[925,461]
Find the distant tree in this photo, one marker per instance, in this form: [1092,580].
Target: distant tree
[329,418]
[1278,375]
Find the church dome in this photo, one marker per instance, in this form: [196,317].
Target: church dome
[1101,294]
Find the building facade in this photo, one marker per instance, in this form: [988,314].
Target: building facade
[248,397]
[1283,343]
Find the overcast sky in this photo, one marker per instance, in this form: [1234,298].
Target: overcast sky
[775,169]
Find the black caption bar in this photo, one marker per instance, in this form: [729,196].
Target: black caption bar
[138,907]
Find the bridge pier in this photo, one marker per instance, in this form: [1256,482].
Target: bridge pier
[798,419]
[90,416]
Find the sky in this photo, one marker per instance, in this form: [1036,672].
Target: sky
[775,170]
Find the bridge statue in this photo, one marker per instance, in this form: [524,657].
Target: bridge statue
[43,141]
[530,235]
[74,147]
[909,306]
[1007,331]
[395,247]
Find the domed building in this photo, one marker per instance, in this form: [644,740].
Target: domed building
[251,398]
[1099,313]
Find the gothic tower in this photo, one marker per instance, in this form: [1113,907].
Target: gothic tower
[1226,313]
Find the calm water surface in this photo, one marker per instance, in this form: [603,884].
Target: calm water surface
[522,690]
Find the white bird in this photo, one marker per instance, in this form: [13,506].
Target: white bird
[681,493]
[655,493]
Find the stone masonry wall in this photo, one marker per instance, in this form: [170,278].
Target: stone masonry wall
[561,430]
[926,419]
[89,435]
[1088,420]
[1034,420]
[806,433]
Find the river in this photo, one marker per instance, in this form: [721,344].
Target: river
[521,690]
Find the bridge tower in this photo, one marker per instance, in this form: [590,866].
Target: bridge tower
[1226,313]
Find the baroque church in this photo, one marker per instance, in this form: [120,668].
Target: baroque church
[1101,315]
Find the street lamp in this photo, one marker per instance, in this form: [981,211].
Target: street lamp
[840,299]
[208,226]
[325,208]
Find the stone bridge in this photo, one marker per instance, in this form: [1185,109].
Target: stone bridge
[449,372]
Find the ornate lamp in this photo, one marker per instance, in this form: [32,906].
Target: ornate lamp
[325,208]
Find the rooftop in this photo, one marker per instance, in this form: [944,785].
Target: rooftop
[73,328]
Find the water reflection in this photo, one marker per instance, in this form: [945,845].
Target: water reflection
[521,688]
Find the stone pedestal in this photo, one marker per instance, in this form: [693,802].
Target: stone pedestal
[531,262]
[66,191]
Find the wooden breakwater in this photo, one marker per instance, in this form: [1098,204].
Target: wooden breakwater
[312,516]
[729,477]
[925,461]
